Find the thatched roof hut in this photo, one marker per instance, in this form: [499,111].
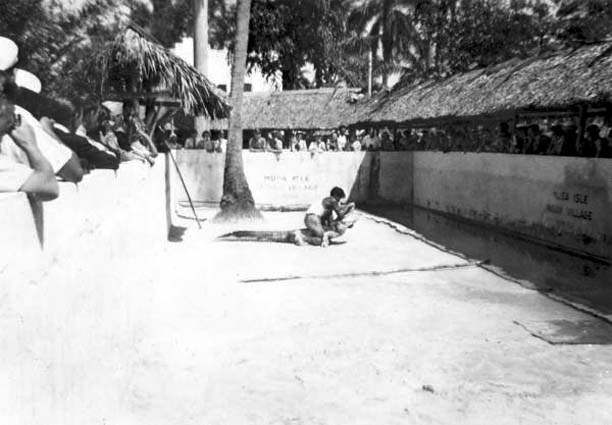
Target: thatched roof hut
[554,81]
[135,65]
[325,108]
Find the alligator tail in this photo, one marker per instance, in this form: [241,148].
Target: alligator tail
[286,236]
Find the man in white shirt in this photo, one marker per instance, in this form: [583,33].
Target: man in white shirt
[371,141]
[342,139]
[63,161]
[38,180]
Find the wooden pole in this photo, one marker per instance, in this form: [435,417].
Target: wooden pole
[178,171]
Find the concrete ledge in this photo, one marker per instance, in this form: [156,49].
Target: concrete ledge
[105,215]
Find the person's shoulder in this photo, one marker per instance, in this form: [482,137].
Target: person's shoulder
[329,201]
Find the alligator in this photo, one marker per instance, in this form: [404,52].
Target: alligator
[286,236]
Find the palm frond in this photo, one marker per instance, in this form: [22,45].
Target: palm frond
[134,62]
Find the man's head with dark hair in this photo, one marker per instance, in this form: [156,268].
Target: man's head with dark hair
[592,131]
[557,130]
[533,129]
[337,193]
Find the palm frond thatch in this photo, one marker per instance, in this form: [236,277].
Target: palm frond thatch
[135,63]
[561,80]
[325,108]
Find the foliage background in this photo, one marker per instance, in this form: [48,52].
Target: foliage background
[415,39]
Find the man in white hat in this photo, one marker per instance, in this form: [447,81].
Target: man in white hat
[63,161]
[38,180]
[9,54]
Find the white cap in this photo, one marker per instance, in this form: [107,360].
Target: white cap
[27,80]
[9,53]
[115,108]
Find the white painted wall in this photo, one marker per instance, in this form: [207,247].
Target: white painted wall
[291,179]
[559,200]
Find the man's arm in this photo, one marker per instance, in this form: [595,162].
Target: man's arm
[42,181]
[150,143]
[71,171]
[342,210]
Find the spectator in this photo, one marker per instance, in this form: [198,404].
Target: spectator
[503,139]
[428,140]
[257,143]
[356,145]
[333,142]
[108,138]
[402,141]
[413,140]
[557,141]
[64,162]
[192,142]
[140,142]
[274,143]
[537,143]
[371,141]
[342,139]
[302,146]
[293,142]
[206,142]
[169,135]
[594,144]
[97,155]
[313,146]
[386,142]
[322,144]
[38,180]
[219,142]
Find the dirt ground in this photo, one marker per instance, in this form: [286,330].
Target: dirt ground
[384,329]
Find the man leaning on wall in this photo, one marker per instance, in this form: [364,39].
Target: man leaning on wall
[64,162]
[14,177]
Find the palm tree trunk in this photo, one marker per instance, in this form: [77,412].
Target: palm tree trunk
[237,201]
[200,50]
[387,37]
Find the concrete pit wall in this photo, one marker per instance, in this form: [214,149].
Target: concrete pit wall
[106,213]
[290,179]
[71,318]
[561,201]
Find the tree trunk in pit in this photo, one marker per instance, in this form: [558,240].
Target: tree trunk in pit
[237,202]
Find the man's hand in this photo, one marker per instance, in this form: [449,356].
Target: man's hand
[24,136]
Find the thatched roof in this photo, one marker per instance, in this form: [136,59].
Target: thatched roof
[325,108]
[559,80]
[133,53]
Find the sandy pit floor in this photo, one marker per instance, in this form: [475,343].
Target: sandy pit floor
[384,329]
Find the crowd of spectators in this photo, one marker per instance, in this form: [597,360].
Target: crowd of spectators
[209,141]
[529,139]
[39,146]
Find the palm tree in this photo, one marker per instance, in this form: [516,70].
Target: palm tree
[237,201]
[388,27]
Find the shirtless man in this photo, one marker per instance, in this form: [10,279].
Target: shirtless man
[324,219]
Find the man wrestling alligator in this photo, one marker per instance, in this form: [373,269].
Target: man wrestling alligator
[325,220]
